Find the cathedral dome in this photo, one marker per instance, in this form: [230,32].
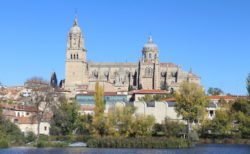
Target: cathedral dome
[150,45]
[75,29]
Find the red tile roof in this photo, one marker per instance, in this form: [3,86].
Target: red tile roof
[170,99]
[222,97]
[148,92]
[87,107]
[18,107]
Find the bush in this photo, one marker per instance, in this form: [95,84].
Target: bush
[30,137]
[4,144]
[41,144]
[155,142]
[193,136]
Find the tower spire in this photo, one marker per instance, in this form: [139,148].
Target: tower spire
[150,39]
[75,20]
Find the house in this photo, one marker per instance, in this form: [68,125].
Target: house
[25,118]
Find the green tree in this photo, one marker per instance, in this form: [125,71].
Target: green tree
[220,126]
[120,121]
[243,124]
[42,97]
[65,118]
[84,124]
[130,88]
[241,104]
[191,102]
[140,86]
[173,128]
[214,91]
[142,126]
[10,133]
[99,123]
[248,84]
[240,111]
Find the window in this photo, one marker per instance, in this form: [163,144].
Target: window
[150,104]
[71,56]
[74,56]
[211,113]
[45,128]
[77,56]
[149,55]
[27,113]
[155,56]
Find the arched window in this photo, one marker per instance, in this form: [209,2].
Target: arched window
[155,56]
[149,55]
[77,56]
[74,56]
[71,56]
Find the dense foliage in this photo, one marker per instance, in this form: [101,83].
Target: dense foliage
[214,91]
[65,118]
[191,101]
[9,133]
[142,142]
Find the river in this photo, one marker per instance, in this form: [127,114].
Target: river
[199,149]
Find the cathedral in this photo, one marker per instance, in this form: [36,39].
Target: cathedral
[147,73]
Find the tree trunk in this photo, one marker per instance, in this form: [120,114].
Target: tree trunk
[38,130]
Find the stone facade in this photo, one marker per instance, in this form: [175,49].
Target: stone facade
[148,73]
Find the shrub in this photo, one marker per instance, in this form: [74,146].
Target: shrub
[193,136]
[143,142]
[4,144]
[40,144]
[30,137]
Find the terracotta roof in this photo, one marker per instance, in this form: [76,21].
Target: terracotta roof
[148,92]
[170,99]
[19,107]
[223,97]
[87,107]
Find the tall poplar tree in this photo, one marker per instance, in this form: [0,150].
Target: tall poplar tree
[99,126]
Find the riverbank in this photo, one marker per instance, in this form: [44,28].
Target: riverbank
[204,149]
[224,141]
[118,142]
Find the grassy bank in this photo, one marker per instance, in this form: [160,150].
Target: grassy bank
[152,142]
[224,141]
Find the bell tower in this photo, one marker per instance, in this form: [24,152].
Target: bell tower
[76,63]
[149,66]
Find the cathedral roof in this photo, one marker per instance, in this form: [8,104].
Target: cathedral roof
[150,44]
[75,29]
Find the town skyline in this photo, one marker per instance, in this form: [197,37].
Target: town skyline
[38,47]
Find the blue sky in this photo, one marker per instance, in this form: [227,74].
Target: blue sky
[211,36]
